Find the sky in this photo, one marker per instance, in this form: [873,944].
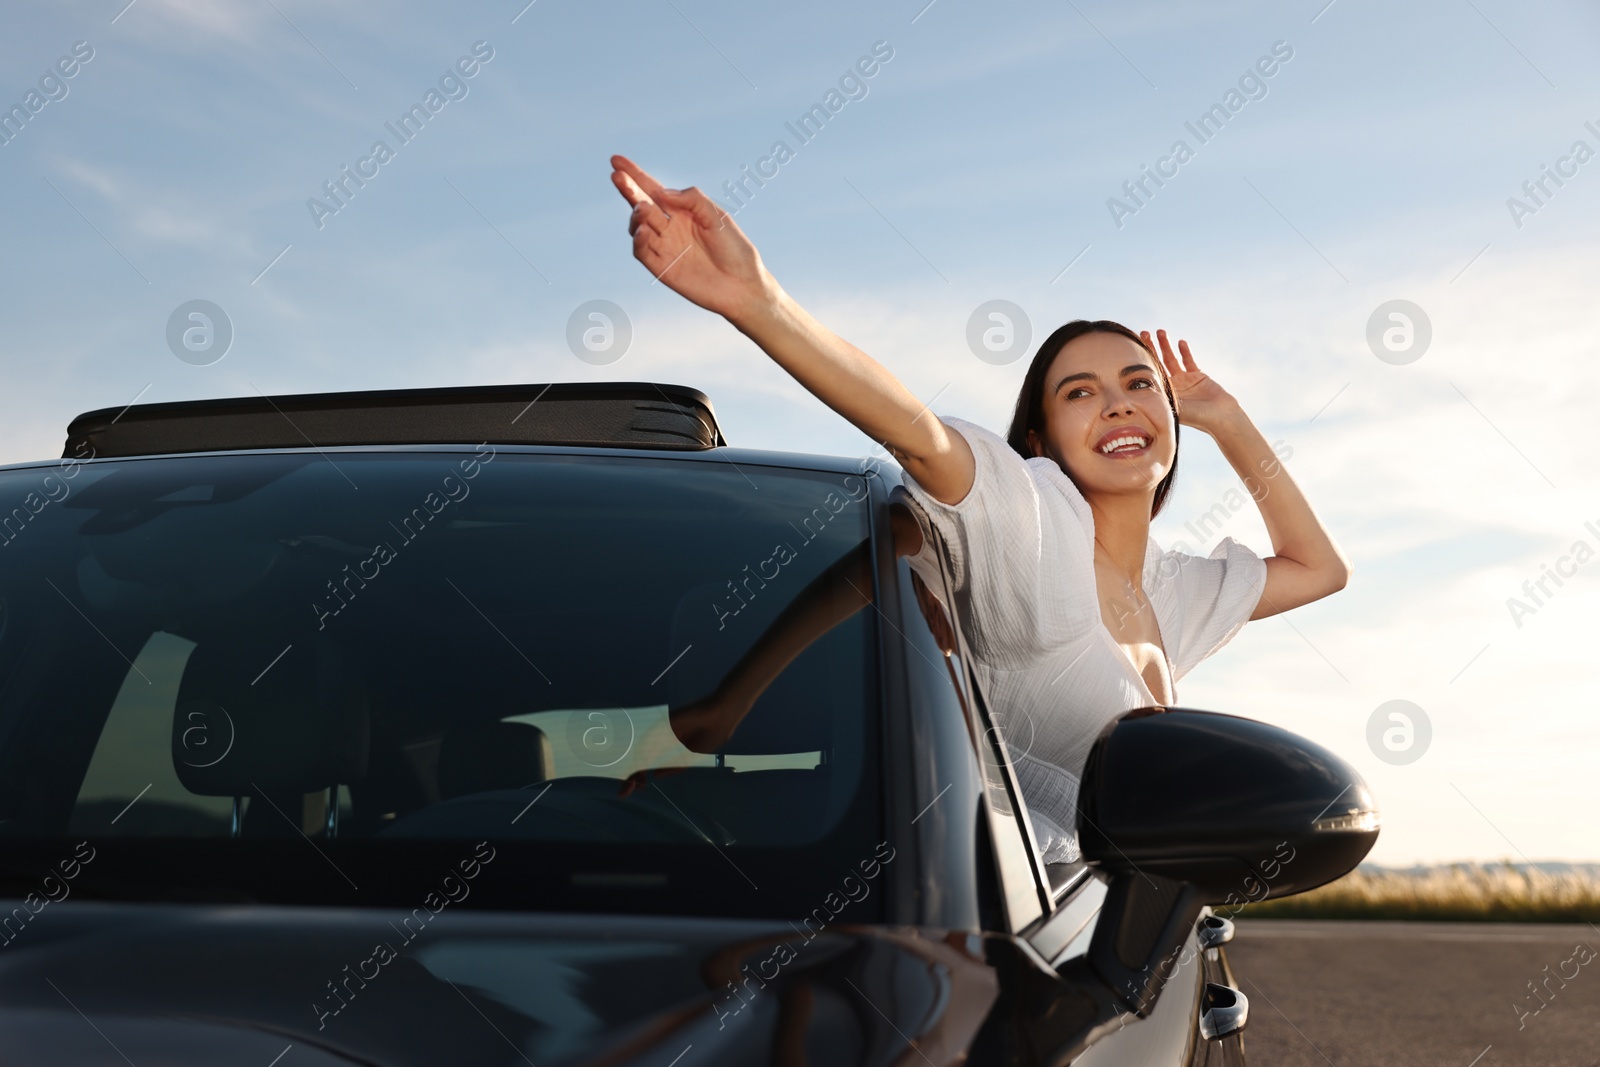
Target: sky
[1369,153]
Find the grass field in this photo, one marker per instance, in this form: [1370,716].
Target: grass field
[1457,893]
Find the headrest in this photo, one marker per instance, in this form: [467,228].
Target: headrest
[502,755]
[245,724]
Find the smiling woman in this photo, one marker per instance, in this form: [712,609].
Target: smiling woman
[1074,388]
[1047,533]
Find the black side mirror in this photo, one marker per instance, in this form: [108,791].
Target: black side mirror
[1183,809]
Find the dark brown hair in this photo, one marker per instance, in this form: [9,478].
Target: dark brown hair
[1029,414]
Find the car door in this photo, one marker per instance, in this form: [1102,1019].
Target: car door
[1058,929]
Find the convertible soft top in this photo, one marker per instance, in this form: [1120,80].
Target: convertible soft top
[616,414]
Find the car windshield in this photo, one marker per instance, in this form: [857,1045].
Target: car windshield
[281,676]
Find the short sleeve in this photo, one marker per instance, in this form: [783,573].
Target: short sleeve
[1019,557]
[1204,601]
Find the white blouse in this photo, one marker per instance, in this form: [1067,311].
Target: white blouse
[1021,548]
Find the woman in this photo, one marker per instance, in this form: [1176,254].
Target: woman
[1048,533]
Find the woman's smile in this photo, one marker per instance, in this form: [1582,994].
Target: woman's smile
[1125,442]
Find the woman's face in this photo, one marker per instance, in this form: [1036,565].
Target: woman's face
[1107,420]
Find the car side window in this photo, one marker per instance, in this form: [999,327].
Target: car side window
[1015,856]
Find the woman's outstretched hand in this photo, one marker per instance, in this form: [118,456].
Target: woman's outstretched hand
[1202,403]
[694,247]
[691,244]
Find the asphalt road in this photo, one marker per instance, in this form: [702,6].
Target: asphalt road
[1383,994]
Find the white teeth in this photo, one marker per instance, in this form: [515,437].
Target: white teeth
[1123,442]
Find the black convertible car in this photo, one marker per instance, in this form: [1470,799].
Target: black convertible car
[684,759]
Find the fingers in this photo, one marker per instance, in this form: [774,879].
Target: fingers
[706,211]
[647,249]
[647,195]
[648,215]
[639,187]
[1166,347]
[1188,357]
[645,209]
[1165,355]
[1183,346]
[644,243]
[639,175]
[630,190]
[1150,342]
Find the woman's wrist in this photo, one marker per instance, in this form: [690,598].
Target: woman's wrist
[1222,419]
[1236,436]
[762,307]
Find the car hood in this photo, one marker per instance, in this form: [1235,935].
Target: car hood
[90,982]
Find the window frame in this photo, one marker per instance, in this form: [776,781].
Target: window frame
[985,735]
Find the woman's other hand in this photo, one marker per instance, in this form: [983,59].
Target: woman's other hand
[691,244]
[1202,403]
[706,725]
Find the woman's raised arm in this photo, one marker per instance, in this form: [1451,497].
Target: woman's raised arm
[1306,564]
[696,249]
